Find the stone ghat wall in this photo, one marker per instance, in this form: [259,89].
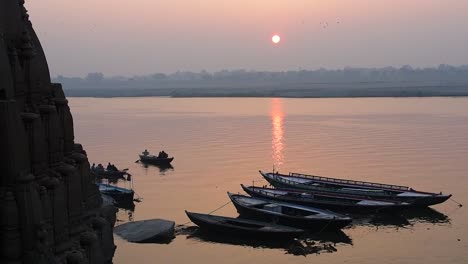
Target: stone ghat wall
[50,209]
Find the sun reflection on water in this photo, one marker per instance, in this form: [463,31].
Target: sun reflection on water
[277,145]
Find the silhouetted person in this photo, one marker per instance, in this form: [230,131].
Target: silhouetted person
[145,153]
[100,168]
[93,167]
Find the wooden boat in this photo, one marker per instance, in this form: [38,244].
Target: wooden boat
[241,227]
[288,214]
[314,183]
[119,194]
[339,203]
[112,174]
[155,160]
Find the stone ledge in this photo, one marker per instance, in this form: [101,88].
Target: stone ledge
[147,231]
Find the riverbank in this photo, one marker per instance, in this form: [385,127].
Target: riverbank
[292,91]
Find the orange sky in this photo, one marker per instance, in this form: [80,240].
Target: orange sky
[147,36]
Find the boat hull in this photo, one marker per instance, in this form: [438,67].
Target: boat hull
[123,197]
[420,199]
[245,227]
[300,222]
[156,161]
[333,206]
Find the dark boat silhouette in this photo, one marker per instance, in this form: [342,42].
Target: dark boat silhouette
[241,227]
[339,203]
[314,183]
[160,160]
[122,196]
[288,214]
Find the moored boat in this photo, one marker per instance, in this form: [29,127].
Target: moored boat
[339,203]
[314,183]
[112,174]
[288,214]
[241,227]
[119,194]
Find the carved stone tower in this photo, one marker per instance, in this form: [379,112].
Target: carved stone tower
[50,209]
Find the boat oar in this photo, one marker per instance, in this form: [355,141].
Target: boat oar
[137,161]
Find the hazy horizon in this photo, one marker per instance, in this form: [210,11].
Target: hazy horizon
[144,37]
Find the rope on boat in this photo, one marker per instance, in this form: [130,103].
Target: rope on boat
[459,204]
[138,199]
[323,228]
[212,211]
[220,207]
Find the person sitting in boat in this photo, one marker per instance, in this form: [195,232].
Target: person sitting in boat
[93,167]
[164,154]
[100,168]
[111,167]
[145,153]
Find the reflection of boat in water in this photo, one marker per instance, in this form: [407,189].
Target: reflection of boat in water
[308,218]
[241,227]
[314,183]
[406,218]
[304,245]
[426,215]
[162,168]
[161,160]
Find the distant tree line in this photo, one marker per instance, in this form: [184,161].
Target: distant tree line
[356,81]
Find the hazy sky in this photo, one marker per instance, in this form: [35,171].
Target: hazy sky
[130,37]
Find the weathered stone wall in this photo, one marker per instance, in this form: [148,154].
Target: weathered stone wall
[50,209]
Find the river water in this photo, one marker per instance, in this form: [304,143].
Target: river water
[219,143]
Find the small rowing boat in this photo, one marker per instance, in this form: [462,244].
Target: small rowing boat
[241,227]
[288,214]
[119,194]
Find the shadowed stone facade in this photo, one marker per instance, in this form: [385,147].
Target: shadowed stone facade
[50,209]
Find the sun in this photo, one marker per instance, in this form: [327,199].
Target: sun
[276,39]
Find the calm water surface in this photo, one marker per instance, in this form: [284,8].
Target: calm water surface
[219,143]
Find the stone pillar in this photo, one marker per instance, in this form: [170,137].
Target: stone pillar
[6,80]
[89,242]
[65,119]
[105,236]
[10,244]
[30,214]
[37,145]
[58,198]
[14,158]
[47,213]
[50,123]
[72,184]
